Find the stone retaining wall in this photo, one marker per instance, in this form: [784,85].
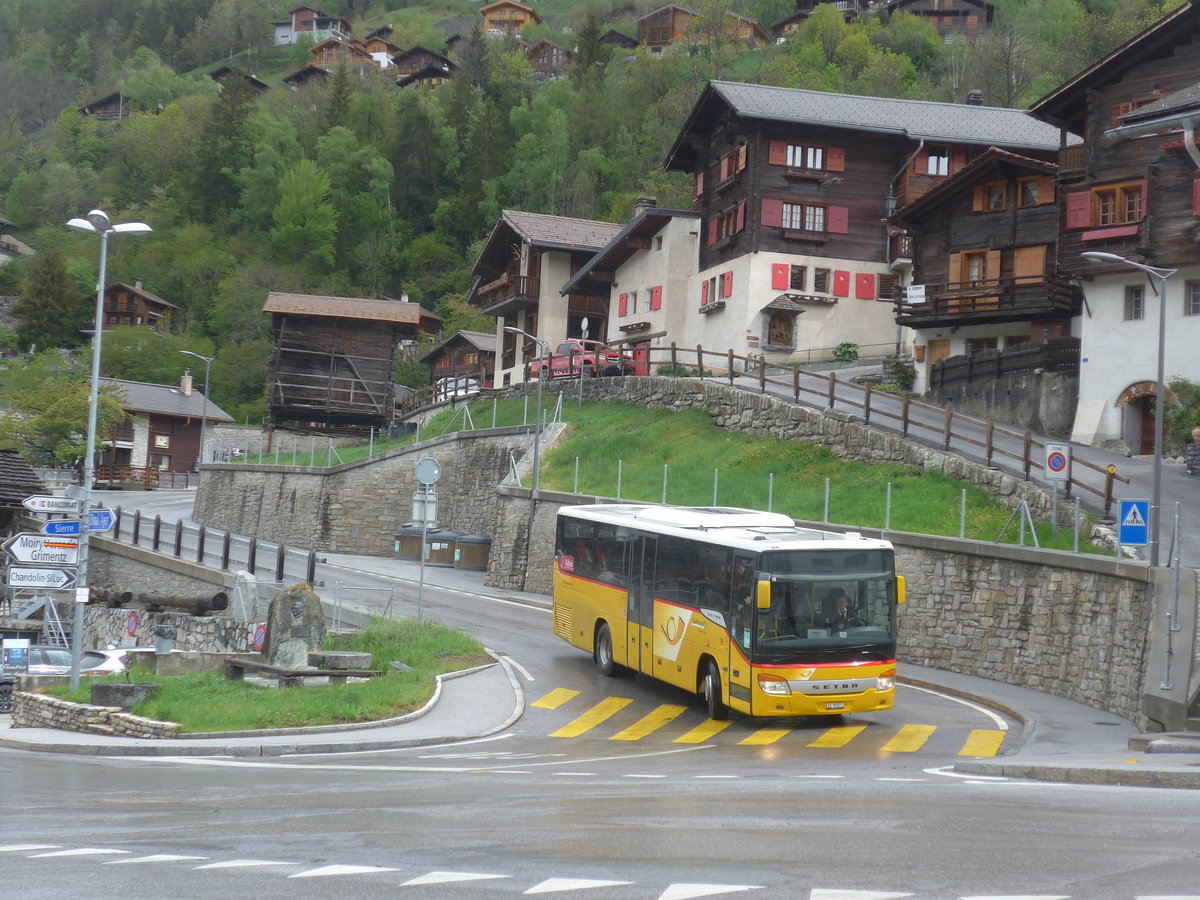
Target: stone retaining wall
[32,710]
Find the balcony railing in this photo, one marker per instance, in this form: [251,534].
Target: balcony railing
[993,301]
[1072,159]
[508,294]
[901,247]
[1056,355]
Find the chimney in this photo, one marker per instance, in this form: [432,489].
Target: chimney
[975,98]
[643,203]
[185,383]
[138,284]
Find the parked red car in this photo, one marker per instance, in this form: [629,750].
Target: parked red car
[594,357]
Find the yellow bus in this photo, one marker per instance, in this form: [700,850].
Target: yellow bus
[741,607]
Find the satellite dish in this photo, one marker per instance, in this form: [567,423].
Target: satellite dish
[428,470]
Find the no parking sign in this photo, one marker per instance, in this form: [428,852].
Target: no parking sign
[131,624]
[260,636]
[1058,462]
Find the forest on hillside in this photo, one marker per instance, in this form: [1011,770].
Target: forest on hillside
[357,188]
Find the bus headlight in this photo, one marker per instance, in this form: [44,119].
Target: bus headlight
[885,682]
[775,686]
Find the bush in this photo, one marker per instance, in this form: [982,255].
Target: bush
[846,351]
[899,371]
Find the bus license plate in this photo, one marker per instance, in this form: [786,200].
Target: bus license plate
[837,704]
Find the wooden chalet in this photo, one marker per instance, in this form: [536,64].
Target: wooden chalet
[789,25]
[617,39]
[161,432]
[224,73]
[429,77]
[966,19]
[792,187]
[421,60]
[523,264]
[132,306]
[334,51]
[508,17]
[303,77]
[10,247]
[464,356]
[310,21]
[112,106]
[1131,189]
[672,24]
[549,58]
[984,251]
[335,358]
[380,49]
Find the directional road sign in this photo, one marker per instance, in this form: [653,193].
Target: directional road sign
[1058,462]
[43,548]
[101,520]
[36,577]
[52,504]
[1133,528]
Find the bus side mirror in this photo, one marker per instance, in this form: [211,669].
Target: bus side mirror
[762,595]
[900,589]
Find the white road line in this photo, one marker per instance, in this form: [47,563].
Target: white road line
[245,864]
[157,857]
[643,776]
[25,848]
[553,885]
[82,851]
[689,891]
[449,878]
[998,720]
[327,871]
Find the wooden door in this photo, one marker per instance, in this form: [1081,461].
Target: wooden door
[938,351]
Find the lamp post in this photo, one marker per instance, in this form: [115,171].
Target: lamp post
[537,425]
[204,416]
[97,222]
[1162,274]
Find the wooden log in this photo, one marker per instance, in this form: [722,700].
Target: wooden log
[197,605]
[111,597]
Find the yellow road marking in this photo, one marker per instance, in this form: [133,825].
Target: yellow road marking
[555,698]
[909,739]
[765,736]
[593,717]
[838,737]
[702,732]
[982,742]
[649,724]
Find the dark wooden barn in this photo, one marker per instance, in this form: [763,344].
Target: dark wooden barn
[335,358]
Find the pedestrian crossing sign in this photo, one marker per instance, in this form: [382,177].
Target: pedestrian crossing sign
[1134,523]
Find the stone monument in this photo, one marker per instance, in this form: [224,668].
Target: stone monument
[295,626]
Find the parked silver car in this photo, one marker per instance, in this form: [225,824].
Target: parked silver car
[51,659]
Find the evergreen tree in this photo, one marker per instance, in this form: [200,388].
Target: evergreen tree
[51,311]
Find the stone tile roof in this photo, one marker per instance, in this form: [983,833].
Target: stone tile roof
[164,399]
[541,230]
[1184,98]
[958,123]
[17,480]
[343,307]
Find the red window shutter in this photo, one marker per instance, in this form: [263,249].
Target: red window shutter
[741,216]
[864,286]
[623,305]
[741,158]
[777,153]
[727,284]
[841,283]
[835,159]
[699,183]
[1079,209]
[837,220]
[712,231]
[772,213]
[958,158]
[781,276]
[656,297]
[704,292]
[1196,197]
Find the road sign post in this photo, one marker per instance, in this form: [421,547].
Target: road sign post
[1057,469]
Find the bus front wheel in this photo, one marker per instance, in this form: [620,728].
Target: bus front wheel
[603,654]
[717,710]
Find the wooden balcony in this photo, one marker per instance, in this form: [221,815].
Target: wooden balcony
[1072,159]
[130,477]
[900,252]
[508,295]
[1004,300]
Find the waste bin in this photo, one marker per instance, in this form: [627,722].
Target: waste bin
[164,640]
[442,544]
[408,542]
[473,551]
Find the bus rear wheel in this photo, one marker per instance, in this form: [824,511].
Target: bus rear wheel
[603,654]
[717,710]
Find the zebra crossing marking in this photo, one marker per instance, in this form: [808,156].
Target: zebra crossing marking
[838,736]
[602,711]
[765,736]
[707,729]
[649,724]
[982,742]
[909,739]
[556,698]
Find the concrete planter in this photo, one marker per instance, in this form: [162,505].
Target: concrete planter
[123,694]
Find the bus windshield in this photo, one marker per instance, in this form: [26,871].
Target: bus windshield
[827,604]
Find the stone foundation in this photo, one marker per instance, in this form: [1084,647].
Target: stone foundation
[32,710]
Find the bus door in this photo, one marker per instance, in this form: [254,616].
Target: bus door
[640,617]
[742,622]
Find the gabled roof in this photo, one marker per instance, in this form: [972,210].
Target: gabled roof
[483,10]
[141,292]
[483,341]
[343,307]
[645,224]
[971,174]
[352,46]
[1066,104]
[422,51]
[18,480]
[305,74]
[654,12]
[1183,99]
[164,399]
[257,83]
[612,36]
[893,5]
[545,232]
[956,123]
[430,71]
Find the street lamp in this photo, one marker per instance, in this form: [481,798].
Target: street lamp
[97,223]
[204,416]
[1162,274]
[537,429]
